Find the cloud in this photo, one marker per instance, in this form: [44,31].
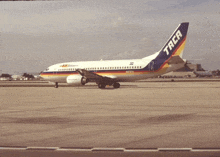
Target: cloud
[64,17]
[61,20]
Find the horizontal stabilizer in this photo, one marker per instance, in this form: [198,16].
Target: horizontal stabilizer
[176,60]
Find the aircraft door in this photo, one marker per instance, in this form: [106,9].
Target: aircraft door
[151,66]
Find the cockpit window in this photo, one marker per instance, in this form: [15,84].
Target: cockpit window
[46,69]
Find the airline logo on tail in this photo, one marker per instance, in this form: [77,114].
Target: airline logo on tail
[174,46]
[174,40]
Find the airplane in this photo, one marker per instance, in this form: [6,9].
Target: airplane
[203,73]
[111,72]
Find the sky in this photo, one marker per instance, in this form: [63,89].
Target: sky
[37,34]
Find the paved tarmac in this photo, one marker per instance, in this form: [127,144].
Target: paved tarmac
[138,115]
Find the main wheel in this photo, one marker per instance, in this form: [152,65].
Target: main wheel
[101,85]
[116,85]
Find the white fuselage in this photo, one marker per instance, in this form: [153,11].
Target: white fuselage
[120,70]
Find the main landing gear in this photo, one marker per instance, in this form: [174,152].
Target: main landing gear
[103,85]
[116,85]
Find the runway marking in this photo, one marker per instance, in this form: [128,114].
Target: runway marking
[174,149]
[205,149]
[12,148]
[89,149]
[75,149]
[141,150]
[42,148]
[108,149]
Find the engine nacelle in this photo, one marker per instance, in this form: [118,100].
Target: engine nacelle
[76,80]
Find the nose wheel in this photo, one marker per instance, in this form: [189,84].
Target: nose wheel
[56,85]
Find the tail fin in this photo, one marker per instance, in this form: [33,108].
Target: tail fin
[176,42]
[174,47]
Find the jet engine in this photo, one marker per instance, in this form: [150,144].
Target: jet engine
[76,80]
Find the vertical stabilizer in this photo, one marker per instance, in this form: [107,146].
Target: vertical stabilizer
[174,47]
[176,42]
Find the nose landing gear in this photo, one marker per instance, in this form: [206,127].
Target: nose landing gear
[56,85]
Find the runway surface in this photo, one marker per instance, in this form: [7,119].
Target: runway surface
[136,116]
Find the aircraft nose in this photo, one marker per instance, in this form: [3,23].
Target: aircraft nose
[41,77]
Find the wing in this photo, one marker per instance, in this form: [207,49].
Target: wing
[95,77]
[175,63]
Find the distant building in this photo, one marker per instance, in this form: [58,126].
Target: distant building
[5,78]
[16,77]
[187,71]
[191,67]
